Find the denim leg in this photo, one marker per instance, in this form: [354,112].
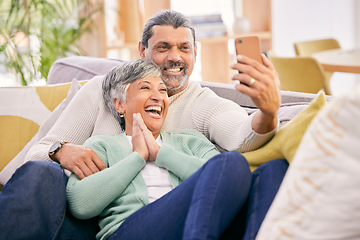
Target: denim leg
[33,206]
[73,228]
[199,208]
[33,202]
[218,197]
[266,181]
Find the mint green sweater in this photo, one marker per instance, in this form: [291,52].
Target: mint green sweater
[118,191]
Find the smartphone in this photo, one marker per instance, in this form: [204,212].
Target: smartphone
[249,46]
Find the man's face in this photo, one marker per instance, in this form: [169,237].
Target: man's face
[174,52]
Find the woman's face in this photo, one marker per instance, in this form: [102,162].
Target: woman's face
[149,98]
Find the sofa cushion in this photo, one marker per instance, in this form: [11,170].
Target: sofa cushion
[80,67]
[22,111]
[320,197]
[286,141]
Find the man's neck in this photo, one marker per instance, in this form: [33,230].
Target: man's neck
[183,88]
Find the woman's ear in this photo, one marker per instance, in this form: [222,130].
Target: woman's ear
[119,106]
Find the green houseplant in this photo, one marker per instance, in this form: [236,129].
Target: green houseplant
[34,33]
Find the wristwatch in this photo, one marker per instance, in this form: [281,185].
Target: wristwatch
[54,149]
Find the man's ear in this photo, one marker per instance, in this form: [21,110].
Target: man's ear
[141,49]
[119,106]
[195,49]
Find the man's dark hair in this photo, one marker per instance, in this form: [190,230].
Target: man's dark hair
[165,18]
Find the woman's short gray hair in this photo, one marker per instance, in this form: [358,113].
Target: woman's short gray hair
[117,81]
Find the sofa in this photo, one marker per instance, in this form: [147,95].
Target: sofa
[27,113]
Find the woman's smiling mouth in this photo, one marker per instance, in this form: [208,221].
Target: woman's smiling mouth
[154,111]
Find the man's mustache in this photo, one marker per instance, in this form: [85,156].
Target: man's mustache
[171,64]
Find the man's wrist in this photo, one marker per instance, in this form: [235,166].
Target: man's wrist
[54,149]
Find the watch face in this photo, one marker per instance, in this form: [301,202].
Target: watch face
[55,147]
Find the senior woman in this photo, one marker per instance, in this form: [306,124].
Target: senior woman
[157,185]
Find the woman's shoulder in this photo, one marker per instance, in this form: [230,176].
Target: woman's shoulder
[104,139]
[184,133]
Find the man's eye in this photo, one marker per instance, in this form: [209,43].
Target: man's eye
[145,87]
[186,48]
[163,90]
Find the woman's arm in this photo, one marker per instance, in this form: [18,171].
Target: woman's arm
[187,153]
[89,197]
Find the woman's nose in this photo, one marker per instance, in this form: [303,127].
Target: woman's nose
[156,96]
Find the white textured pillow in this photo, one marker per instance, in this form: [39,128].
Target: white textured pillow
[45,126]
[320,195]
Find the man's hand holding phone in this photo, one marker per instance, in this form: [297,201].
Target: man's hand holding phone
[259,80]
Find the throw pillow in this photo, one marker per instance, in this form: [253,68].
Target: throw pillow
[23,117]
[319,197]
[286,141]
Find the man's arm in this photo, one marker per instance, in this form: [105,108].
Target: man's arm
[85,116]
[263,87]
[79,159]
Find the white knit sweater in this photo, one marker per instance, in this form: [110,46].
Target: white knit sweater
[220,120]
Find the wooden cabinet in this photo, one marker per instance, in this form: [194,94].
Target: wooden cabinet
[215,55]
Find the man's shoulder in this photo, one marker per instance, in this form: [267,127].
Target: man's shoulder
[92,89]
[199,91]
[206,96]
[95,82]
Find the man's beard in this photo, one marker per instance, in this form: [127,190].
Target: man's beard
[181,79]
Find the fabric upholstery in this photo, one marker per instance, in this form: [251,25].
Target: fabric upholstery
[80,67]
[286,141]
[22,111]
[319,197]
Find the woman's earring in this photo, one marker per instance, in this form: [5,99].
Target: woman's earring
[121,115]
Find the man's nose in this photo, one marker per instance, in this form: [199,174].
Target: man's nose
[174,54]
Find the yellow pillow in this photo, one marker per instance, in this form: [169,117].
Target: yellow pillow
[22,111]
[286,141]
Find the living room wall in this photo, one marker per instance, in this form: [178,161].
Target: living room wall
[302,20]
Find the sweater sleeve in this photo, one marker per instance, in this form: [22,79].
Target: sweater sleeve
[80,120]
[186,153]
[89,197]
[228,124]
[221,120]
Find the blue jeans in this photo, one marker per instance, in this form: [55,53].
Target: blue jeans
[202,207]
[35,199]
[33,206]
[265,183]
